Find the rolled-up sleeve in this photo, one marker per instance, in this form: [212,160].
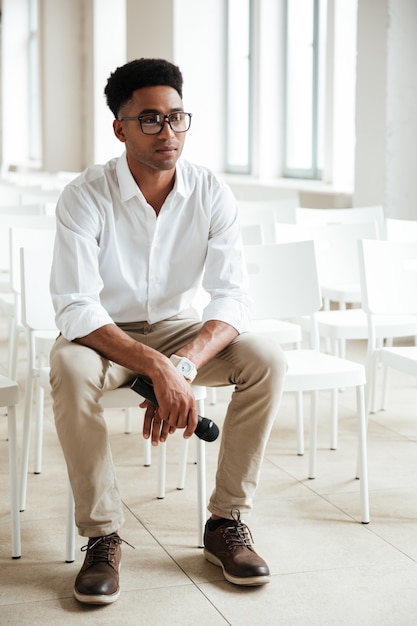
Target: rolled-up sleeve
[75,282]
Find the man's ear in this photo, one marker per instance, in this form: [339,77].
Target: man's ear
[118,129]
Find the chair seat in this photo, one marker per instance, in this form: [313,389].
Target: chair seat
[281,330]
[403,358]
[353,324]
[349,292]
[310,370]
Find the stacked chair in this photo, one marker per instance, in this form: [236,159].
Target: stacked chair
[389,288]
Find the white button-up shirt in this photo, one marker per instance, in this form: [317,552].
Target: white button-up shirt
[116,261]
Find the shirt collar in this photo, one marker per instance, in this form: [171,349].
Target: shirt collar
[128,186]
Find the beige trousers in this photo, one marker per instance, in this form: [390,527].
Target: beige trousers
[255,365]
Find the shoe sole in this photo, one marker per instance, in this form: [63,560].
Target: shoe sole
[96,599]
[252,581]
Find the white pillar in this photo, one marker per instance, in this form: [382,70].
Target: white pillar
[401,130]
[15,118]
[370,102]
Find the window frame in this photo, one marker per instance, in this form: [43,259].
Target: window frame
[230,167]
[315,171]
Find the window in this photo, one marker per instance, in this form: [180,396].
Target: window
[304,87]
[238,92]
[34,121]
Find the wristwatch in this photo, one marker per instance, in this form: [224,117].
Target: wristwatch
[185,366]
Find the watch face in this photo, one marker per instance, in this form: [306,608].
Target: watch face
[185,368]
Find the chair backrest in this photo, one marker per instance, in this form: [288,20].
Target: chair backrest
[9,194]
[252,234]
[388,275]
[283,279]
[336,247]
[37,310]
[375,214]
[22,209]
[41,237]
[8,221]
[264,214]
[40,196]
[400,230]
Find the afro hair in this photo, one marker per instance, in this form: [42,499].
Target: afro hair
[137,74]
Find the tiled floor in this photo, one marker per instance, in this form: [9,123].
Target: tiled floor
[327,568]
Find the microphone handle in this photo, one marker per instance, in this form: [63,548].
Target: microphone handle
[206,429]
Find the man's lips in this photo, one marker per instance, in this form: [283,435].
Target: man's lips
[167,150]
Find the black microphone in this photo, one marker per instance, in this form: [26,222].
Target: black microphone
[206,429]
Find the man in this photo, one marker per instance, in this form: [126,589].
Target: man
[135,238]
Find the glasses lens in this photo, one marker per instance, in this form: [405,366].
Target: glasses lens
[151,124]
[179,122]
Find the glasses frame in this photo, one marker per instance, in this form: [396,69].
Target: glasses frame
[165,118]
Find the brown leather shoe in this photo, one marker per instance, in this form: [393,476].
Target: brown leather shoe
[230,547]
[98,579]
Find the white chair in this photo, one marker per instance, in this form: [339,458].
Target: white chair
[21,209]
[40,237]
[9,398]
[37,317]
[284,331]
[291,268]
[400,230]
[7,294]
[265,214]
[375,214]
[389,288]
[337,248]
[337,255]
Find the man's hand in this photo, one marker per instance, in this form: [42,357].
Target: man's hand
[177,408]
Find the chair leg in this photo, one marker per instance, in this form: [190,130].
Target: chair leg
[13,344]
[14,484]
[362,455]
[312,466]
[385,385]
[128,421]
[334,406]
[373,380]
[201,490]
[147,452]
[182,466]
[300,422]
[212,392]
[162,455]
[24,462]
[40,395]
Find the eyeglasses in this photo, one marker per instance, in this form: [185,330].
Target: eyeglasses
[153,123]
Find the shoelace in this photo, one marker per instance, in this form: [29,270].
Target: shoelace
[103,549]
[237,534]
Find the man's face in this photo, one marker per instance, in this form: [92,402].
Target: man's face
[151,152]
